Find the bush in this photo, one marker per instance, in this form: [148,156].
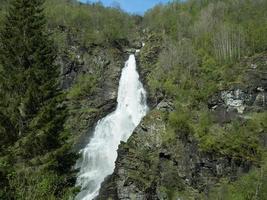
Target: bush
[84,87]
[88,23]
[249,187]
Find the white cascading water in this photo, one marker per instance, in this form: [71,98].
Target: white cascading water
[99,156]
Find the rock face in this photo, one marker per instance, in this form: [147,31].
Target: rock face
[230,104]
[103,61]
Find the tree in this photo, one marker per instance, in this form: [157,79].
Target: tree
[32,110]
[229,43]
[27,55]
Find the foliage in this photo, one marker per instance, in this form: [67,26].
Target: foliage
[85,86]
[87,23]
[199,45]
[226,30]
[189,54]
[250,186]
[34,142]
[239,139]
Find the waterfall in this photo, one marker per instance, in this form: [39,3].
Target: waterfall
[99,156]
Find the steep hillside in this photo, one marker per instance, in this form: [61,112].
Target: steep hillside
[204,67]
[92,44]
[216,156]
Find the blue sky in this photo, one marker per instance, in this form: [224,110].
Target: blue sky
[132,6]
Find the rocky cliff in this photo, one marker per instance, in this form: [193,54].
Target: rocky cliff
[87,110]
[101,65]
[153,164]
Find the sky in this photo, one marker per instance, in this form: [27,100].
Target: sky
[132,6]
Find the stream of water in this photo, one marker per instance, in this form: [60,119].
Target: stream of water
[99,156]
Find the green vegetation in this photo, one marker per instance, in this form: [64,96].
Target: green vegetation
[191,63]
[198,43]
[87,24]
[240,140]
[35,155]
[85,86]
[248,187]
[195,49]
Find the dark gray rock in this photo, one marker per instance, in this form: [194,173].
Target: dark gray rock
[165,105]
[136,44]
[231,104]
[261,99]
[130,51]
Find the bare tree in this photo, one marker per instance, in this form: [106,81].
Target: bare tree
[229,43]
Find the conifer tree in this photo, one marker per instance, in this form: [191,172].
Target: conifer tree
[32,111]
[27,56]
[29,74]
